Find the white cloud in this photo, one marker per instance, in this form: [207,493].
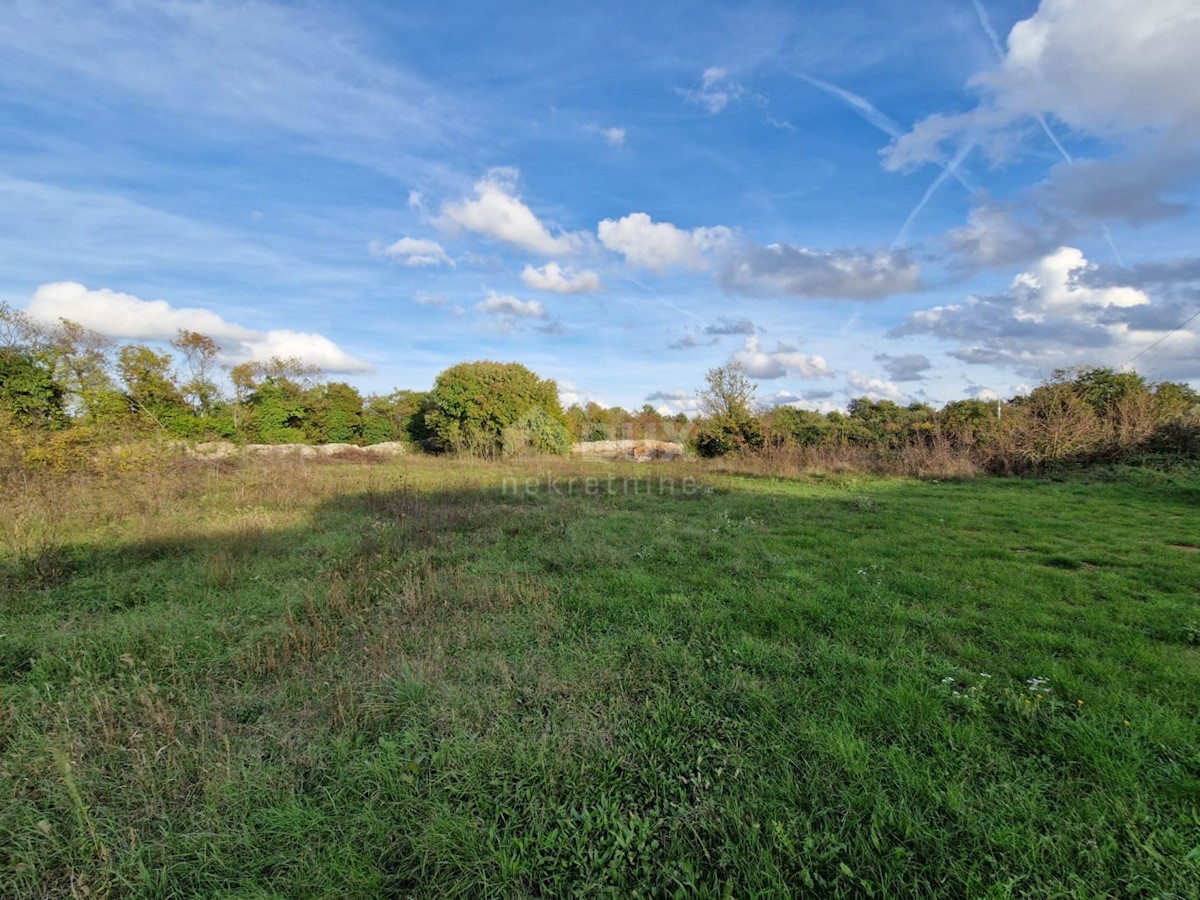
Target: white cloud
[673,402]
[813,400]
[506,305]
[552,277]
[497,212]
[614,137]
[862,385]
[126,316]
[781,270]
[1103,64]
[417,252]
[1050,286]
[1063,312]
[979,392]
[995,235]
[660,245]
[1104,67]
[783,360]
[715,91]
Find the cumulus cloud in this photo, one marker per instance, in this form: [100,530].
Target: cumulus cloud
[910,367]
[1001,234]
[497,212]
[783,360]
[556,279]
[782,270]
[860,384]
[1062,312]
[979,392]
[129,317]
[508,313]
[715,91]
[1175,277]
[817,400]
[507,305]
[417,252]
[1137,187]
[1104,67]
[673,402]
[660,245]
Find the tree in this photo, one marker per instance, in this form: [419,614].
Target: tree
[472,404]
[727,402]
[83,367]
[200,354]
[270,399]
[335,414]
[151,389]
[28,389]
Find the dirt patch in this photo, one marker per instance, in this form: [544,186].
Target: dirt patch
[1190,548]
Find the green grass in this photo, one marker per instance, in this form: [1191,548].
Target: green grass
[344,680]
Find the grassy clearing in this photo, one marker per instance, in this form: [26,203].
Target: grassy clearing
[291,680]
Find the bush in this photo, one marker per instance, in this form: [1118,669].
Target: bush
[536,433]
[473,404]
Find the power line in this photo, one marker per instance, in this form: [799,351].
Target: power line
[1165,336]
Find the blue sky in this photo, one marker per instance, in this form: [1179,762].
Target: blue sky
[906,201]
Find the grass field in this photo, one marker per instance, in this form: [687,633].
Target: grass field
[327,680]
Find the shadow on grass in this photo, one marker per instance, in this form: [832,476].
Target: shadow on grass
[430,689]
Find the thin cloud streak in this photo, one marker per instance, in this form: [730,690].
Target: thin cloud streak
[948,171]
[889,126]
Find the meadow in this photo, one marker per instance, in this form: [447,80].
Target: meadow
[438,677]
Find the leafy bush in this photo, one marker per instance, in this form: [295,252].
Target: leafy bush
[472,404]
[537,432]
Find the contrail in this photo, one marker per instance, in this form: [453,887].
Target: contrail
[860,105]
[998,47]
[950,169]
[892,128]
[665,302]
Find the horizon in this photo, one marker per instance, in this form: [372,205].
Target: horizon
[848,202]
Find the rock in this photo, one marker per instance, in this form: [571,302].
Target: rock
[638,451]
[222,449]
[387,448]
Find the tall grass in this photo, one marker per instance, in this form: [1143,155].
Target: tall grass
[290,678]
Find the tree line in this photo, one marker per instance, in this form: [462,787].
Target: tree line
[64,385]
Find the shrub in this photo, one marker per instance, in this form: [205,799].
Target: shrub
[472,404]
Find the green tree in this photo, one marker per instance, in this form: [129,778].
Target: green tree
[28,389]
[334,414]
[727,404]
[271,399]
[83,366]
[472,404]
[152,390]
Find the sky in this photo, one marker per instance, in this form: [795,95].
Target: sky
[917,202]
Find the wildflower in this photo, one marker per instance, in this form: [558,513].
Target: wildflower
[1036,684]
[984,675]
[1126,723]
[1079,703]
[949,679]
